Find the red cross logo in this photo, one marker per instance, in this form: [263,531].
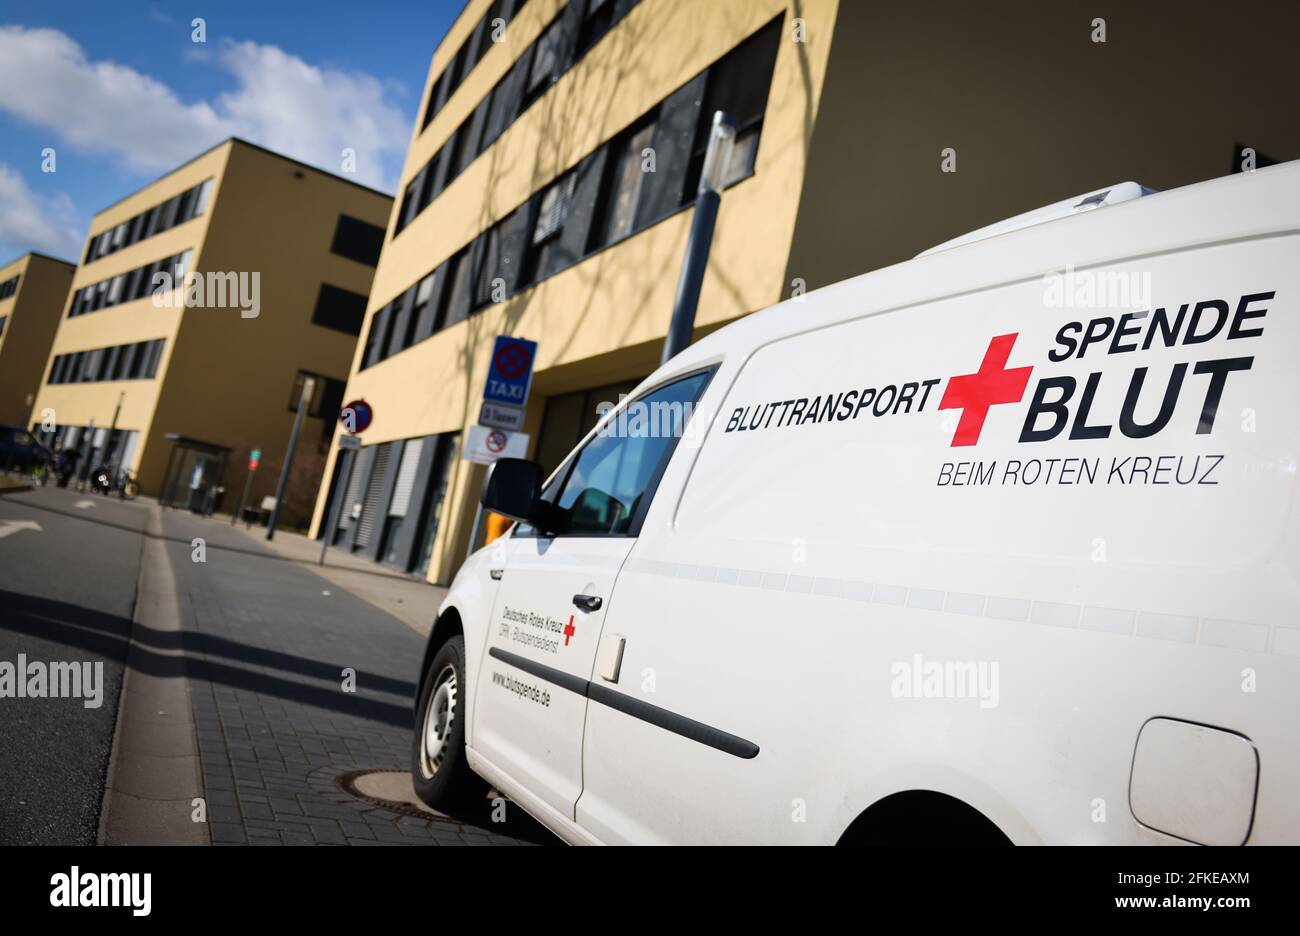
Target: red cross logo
[974,393]
[568,630]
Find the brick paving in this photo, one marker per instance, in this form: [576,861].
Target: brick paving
[268,642]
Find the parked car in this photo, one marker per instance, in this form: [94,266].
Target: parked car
[998,544]
[19,450]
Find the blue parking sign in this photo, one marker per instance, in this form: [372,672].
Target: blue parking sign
[511,373]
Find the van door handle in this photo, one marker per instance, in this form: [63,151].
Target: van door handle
[587,602]
[496,574]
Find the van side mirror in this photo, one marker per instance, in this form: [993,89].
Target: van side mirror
[513,487]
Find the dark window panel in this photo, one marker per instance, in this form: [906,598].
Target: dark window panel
[437,97]
[410,201]
[376,338]
[572,245]
[514,242]
[456,298]
[401,322]
[737,84]
[597,20]
[155,356]
[624,182]
[489,267]
[474,45]
[570,23]
[428,292]
[168,214]
[329,399]
[664,190]
[357,240]
[111,363]
[339,309]
[505,101]
[431,171]
[545,66]
[471,133]
[122,364]
[448,156]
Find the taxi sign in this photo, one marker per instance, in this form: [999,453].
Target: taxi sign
[511,374]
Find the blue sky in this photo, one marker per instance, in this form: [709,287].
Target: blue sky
[122,93]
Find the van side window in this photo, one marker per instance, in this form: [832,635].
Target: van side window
[608,484]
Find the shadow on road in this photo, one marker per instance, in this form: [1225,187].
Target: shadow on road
[100,633]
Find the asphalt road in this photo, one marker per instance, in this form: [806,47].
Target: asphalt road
[265,644]
[67,589]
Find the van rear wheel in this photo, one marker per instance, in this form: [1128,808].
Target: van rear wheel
[439,767]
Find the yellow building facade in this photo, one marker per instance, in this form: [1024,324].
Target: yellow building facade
[546,195]
[33,294]
[201,303]
[547,192]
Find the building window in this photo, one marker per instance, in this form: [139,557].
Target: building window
[326,398]
[624,183]
[546,61]
[470,53]
[154,359]
[188,204]
[738,84]
[9,287]
[597,20]
[489,267]
[339,309]
[377,339]
[125,287]
[357,240]
[606,196]
[552,212]
[201,200]
[422,313]
[455,300]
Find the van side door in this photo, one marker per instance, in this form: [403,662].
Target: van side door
[556,587]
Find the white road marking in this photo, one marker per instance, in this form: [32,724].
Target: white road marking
[10,527]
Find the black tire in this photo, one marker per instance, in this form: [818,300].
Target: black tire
[443,779]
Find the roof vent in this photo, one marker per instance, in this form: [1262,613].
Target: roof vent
[1111,195]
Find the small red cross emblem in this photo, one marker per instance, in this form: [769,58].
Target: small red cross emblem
[569,630]
[974,393]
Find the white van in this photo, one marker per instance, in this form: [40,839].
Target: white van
[998,544]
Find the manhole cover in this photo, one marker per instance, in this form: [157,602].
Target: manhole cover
[388,789]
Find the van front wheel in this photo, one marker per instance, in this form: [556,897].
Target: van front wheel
[439,768]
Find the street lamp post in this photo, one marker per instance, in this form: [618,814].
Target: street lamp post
[717,159]
[308,389]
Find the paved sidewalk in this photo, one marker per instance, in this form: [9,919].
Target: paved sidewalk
[270,646]
[408,598]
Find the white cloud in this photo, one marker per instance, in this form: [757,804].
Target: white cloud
[312,113]
[279,101]
[31,221]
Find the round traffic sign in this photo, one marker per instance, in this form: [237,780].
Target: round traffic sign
[356,416]
[512,360]
[496,440]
